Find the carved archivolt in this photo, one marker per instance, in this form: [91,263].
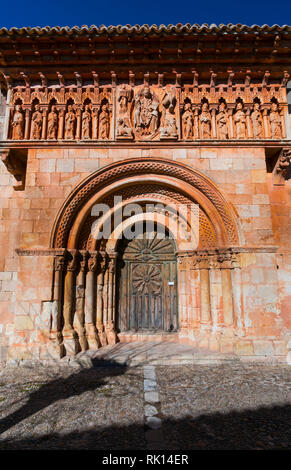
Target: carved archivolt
[148,112]
[128,168]
[157,194]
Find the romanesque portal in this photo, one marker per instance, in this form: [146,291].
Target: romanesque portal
[106,131]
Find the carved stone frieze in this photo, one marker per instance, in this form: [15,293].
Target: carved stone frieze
[209,259]
[148,112]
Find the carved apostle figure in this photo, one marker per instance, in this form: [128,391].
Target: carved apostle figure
[86,123]
[70,121]
[146,112]
[17,123]
[275,122]
[221,122]
[187,121]
[205,122]
[239,120]
[168,126]
[52,124]
[36,123]
[124,127]
[104,122]
[257,122]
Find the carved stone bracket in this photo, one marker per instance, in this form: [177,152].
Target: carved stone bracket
[282,170]
[15,162]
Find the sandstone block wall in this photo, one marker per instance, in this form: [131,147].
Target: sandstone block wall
[28,216]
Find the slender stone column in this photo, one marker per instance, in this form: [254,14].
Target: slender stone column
[283,124]
[69,335]
[205,297]
[78,127]
[95,112]
[227,297]
[213,122]
[80,301]
[56,319]
[44,124]
[249,126]
[266,124]
[105,297]
[216,293]
[196,125]
[90,303]
[27,124]
[230,121]
[237,294]
[100,306]
[61,123]
[110,326]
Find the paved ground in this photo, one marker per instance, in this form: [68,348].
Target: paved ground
[97,402]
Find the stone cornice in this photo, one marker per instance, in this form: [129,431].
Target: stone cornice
[211,144]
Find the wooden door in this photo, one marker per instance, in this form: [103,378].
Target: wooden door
[147,287]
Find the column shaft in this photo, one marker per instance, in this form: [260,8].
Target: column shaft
[205,296]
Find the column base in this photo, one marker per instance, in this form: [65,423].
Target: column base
[102,334]
[111,334]
[92,336]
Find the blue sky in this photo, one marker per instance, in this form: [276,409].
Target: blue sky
[72,12]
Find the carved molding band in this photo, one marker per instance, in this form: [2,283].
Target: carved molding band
[210,259]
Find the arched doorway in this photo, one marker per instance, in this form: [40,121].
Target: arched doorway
[97,290]
[147,283]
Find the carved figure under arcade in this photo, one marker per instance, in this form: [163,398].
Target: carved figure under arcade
[205,122]
[222,122]
[36,124]
[124,126]
[17,124]
[239,119]
[86,123]
[70,122]
[187,122]
[52,124]
[104,122]
[257,122]
[275,122]
[168,127]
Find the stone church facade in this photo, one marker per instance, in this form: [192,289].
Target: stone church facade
[154,117]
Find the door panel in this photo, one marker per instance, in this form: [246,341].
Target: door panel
[147,287]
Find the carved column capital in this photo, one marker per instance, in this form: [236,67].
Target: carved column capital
[83,256]
[72,262]
[92,262]
[59,263]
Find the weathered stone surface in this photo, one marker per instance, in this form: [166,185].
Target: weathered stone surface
[181,137]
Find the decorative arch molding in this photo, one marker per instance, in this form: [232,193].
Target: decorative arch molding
[171,172]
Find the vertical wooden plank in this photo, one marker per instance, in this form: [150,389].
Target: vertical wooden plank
[152,321]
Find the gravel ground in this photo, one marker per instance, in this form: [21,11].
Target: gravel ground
[228,406]
[231,406]
[42,408]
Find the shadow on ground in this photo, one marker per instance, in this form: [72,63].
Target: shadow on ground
[262,428]
[62,388]
[257,429]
